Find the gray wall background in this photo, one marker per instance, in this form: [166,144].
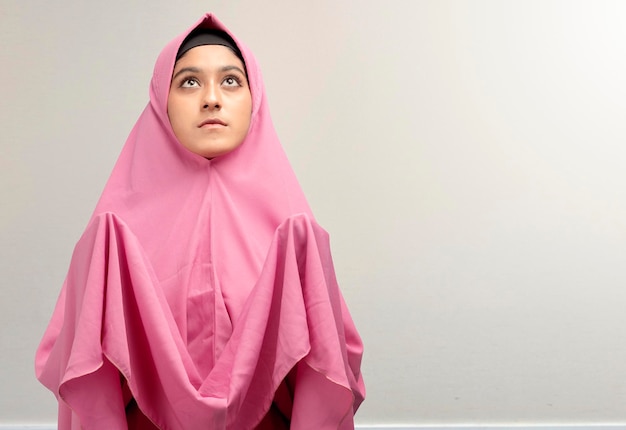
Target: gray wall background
[466,157]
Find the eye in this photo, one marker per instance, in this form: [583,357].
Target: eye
[189,83]
[231,81]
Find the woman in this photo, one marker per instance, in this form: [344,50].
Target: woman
[202,293]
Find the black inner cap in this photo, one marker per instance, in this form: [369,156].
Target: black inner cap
[207,36]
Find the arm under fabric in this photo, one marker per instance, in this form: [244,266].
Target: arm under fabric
[112,318]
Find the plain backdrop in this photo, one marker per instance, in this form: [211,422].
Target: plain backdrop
[467,158]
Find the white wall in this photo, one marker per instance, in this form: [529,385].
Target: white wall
[466,157]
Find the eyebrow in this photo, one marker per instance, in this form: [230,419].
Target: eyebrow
[198,70]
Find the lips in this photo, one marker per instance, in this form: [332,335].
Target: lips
[212,122]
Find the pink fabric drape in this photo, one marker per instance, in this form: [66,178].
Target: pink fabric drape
[200,287]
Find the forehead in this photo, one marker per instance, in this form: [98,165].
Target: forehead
[209,55]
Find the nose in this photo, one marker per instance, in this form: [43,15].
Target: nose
[212,98]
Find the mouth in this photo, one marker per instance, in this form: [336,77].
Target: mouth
[212,122]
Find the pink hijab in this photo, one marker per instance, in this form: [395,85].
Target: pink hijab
[205,283]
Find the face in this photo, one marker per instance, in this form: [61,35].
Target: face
[209,103]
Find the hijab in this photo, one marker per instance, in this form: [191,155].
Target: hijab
[203,282]
[188,210]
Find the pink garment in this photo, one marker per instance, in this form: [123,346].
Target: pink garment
[201,287]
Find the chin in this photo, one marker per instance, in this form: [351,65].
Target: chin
[211,150]
[215,152]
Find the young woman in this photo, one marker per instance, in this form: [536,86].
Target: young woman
[202,293]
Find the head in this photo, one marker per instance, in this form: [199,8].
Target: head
[209,103]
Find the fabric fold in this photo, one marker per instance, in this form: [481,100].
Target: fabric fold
[113,316]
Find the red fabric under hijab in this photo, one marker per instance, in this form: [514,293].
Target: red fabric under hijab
[205,284]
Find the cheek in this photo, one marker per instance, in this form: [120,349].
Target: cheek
[175,114]
[171,110]
[246,113]
[175,109]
